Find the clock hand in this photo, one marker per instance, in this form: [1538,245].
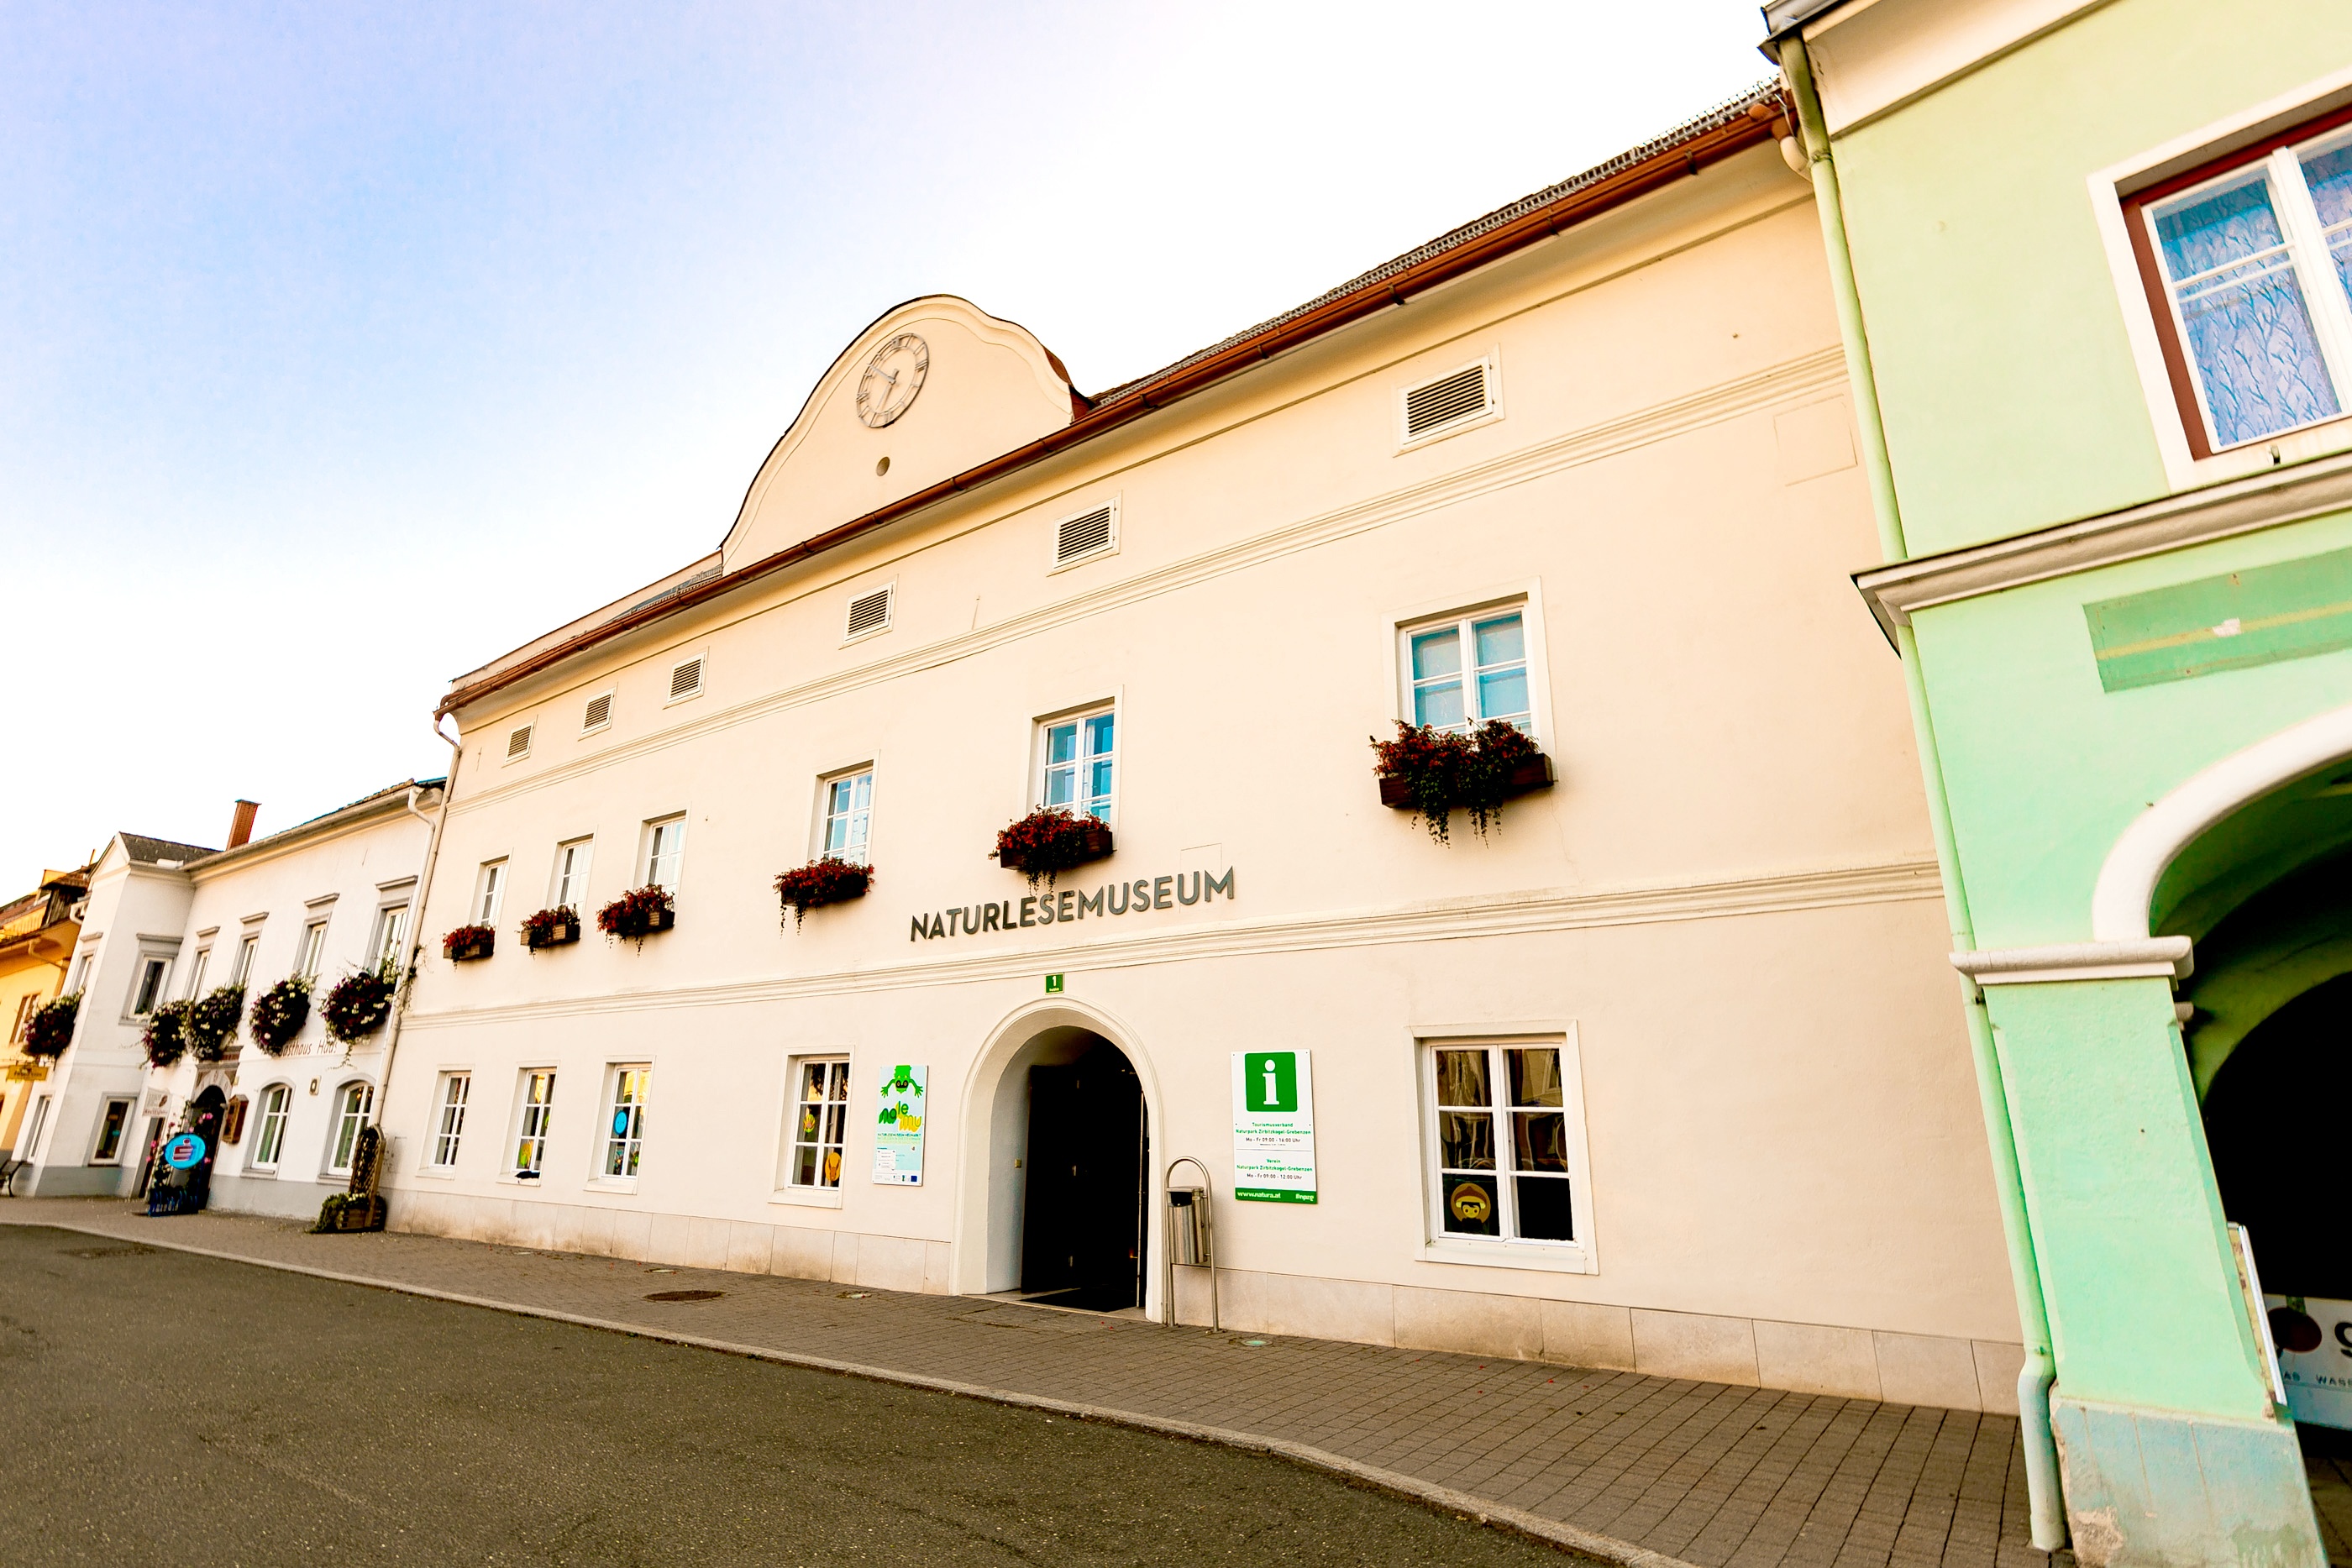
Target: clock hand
[889,378]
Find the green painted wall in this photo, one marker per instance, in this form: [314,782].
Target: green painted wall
[2011,397]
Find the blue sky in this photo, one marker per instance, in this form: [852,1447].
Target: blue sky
[347,346]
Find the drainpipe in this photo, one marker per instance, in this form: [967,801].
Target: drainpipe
[415,924]
[2036,1379]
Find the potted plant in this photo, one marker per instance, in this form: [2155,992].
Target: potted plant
[550,929]
[164,1041]
[278,1014]
[357,1005]
[1045,843]
[351,1211]
[1433,772]
[48,1031]
[467,942]
[638,914]
[210,1022]
[829,879]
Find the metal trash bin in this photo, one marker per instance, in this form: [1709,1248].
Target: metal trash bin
[1188,1225]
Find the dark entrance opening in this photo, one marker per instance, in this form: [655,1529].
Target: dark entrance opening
[2278,1168]
[1089,1156]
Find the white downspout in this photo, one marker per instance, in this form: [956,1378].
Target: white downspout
[439,818]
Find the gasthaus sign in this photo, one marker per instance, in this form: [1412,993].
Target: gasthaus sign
[1141,897]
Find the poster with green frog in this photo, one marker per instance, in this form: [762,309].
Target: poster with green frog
[898,1131]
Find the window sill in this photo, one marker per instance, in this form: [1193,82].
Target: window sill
[259,1173]
[808,1196]
[612,1184]
[438,1173]
[1510,1255]
[511,1180]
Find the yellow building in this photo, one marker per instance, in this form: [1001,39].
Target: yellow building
[37,932]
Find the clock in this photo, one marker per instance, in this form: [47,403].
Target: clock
[893,376]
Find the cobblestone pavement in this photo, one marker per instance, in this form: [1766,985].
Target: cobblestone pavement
[1632,1467]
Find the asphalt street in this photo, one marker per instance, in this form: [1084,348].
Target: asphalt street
[163,1407]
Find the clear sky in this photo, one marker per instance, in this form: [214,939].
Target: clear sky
[347,346]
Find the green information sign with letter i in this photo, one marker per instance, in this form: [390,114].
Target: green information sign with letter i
[1274,1127]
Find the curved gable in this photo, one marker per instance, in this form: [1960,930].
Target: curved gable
[988,388]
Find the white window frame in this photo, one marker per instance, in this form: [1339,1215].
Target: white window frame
[649,852]
[789,1188]
[533,1122]
[1480,603]
[567,882]
[629,1145]
[1493,359]
[1042,765]
[268,1139]
[196,968]
[1053,563]
[160,964]
[1581,1256]
[390,940]
[489,893]
[98,1155]
[248,950]
[1464,624]
[2110,188]
[36,1119]
[313,950]
[861,851]
[450,1094]
[353,1115]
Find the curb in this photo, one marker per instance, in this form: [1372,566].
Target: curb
[1591,1544]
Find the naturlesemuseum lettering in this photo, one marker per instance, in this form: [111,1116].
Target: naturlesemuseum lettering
[1141,896]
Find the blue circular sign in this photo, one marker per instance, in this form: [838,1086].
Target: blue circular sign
[185,1152]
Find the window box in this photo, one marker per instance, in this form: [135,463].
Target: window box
[1435,773]
[50,1030]
[1523,777]
[1045,843]
[469,943]
[638,914]
[822,881]
[278,1013]
[550,929]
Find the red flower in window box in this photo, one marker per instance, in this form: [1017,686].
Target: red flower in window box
[638,914]
[1045,843]
[469,943]
[550,929]
[830,879]
[48,1031]
[164,1041]
[1433,773]
[357,1005]
[210,1023]
[278,1013]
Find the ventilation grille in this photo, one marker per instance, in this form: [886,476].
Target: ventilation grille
[1085,534]
[519,743]
[686,679]
[870,614]
[1444,401]
[599,711]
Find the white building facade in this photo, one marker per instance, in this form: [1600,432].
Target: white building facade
[1661,1072]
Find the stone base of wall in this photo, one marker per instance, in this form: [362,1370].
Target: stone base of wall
[280,1199]
[1805,1358]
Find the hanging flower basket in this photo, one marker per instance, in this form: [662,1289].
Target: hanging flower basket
[50,1030]
[550,929]
[469,943]
[357,1006]
[1044,844]
[164,1042]
[211,1022]
[637,915]
[822,881]
[278,1014]
[1434,773]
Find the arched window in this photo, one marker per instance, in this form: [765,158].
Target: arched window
[352,1103]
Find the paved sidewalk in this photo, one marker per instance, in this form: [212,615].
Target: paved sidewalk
[1646,1471]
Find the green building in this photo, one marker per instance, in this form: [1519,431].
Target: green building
[2096,275]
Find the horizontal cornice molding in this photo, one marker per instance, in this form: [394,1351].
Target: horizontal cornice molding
[2169,956]
[1450,920]
[1791,380]
[2266,500]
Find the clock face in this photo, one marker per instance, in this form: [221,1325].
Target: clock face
[893,376]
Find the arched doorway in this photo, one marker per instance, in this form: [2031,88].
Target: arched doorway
[2274,1156]
[1060,1165]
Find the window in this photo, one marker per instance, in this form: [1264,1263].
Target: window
[1078,761]
[314,946]
[33,1120]
[197,973]
[571,888]
[81,973]
[2248,266]
[848,812]
[1493,685]
[665,848]
[870,612]
[26,1005]
[490,889]
[246,950]
[538,1110]
[1087,535]
[449,1122]
[820,1117]
[352,1103]
[112,1123]
[391,927]
[598,713]
[270,1137]
[147,986]
[1504,1154]
[686,680]
[625,1130]
[1444,403]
